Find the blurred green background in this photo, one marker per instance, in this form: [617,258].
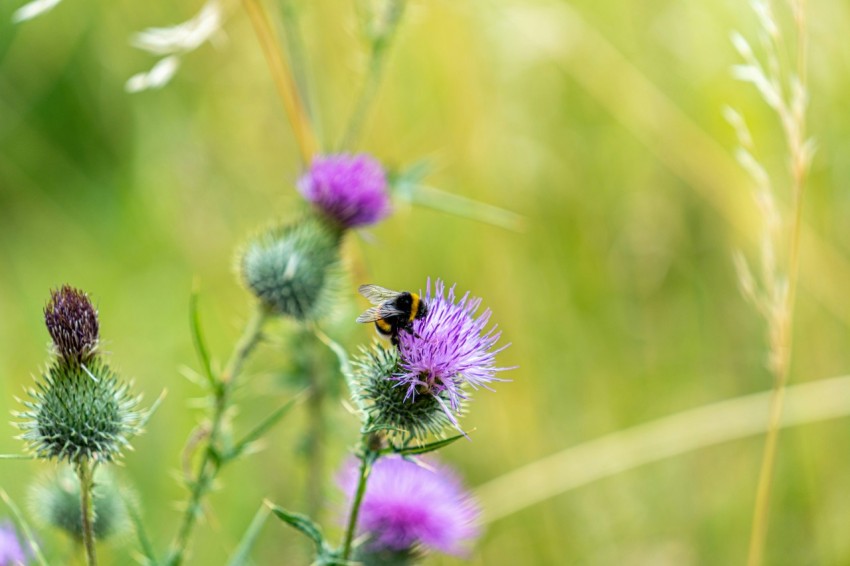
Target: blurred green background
[599,122]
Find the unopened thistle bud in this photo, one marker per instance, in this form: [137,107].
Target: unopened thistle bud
[79,410]
[294,270]
[55,502]
[72,323]
[387,403]
[77,413]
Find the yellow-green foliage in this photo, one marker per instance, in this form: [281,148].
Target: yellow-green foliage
[599,122]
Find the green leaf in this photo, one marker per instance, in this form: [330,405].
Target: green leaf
[198,337]
[463,207]
[241,555]
[144,542]
[263,427]
[404,182]
[24,526]
[422,449]
[303,524]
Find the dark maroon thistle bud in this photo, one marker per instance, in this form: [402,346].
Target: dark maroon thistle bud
[72,323]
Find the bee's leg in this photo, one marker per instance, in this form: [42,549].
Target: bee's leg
[394,339]
[409,329]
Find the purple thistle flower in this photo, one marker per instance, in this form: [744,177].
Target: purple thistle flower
[450,348]
[408,506]
[350,189]
[11,553]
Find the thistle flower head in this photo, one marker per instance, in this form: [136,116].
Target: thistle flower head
[409,507]
[11,551]
[72,323]
[55,502]
[349,189]
[294,270]
[449,349]
[387,404]
[79,412]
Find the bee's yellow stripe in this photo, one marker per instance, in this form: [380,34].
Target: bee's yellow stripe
[414,307]
[383,326]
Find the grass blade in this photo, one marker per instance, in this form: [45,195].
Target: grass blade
[144,542]
[198,337]
[264,426]
[240,556]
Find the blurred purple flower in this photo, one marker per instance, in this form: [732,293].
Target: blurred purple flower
[449,349]
[350,189]
[409,506]
[11,553]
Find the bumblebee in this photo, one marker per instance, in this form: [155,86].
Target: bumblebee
[393,312]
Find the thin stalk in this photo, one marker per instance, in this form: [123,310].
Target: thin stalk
[211,462]
[298,59]
[86,475]
[366,461]
[758,535]
[380,47]
[283,79]
[316,445]
[795,133]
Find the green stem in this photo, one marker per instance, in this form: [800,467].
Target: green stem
[86,474]
[367,458]
[315,447]
[380,47]
[211,461]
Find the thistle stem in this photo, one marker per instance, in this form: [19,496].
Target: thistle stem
[283,79]
[315,447]
[86,475]
[211,460]
[367,459]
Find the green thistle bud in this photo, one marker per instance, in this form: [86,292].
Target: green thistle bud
[294,270]
[387,407]
[78,413]
[55,502]
[72,323]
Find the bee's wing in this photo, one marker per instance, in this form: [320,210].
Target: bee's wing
[379,312]
[377,294]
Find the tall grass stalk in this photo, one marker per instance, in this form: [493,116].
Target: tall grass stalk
[774,296]
[381,39]
[666,437]
[283,79]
